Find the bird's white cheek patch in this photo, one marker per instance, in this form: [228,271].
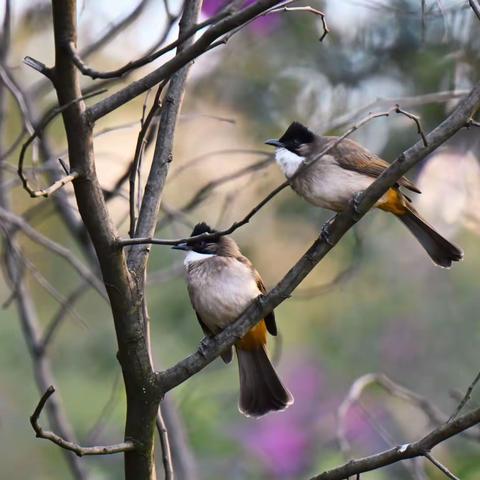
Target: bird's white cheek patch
[192,257]
[288,161]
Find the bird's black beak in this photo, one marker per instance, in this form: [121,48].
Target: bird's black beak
[181,246]
[275,143]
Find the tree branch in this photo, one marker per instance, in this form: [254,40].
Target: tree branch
[403,452]
[165,71]
[305,164]
[54,247]
[475,8]
[73,447]
[162,155]
[440,466]
[309,9]
[38,130]
[212,347]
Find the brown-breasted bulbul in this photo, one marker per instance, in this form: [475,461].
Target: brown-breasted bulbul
[335,179]
[221,284]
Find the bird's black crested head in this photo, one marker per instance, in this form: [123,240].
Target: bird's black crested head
[201,228]
[297,133]
[294,137]
[208,245]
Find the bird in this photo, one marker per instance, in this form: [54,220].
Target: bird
[338,178]
[221,284]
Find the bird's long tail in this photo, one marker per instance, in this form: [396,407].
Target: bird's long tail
[261,390]
[441,251]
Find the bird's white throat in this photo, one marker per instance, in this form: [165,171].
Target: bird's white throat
[192,257]
[288,161]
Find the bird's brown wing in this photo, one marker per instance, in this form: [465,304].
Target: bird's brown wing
[270,318]
[226,354]
[352,156]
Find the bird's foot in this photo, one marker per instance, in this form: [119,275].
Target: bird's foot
[325,231]
[356,200]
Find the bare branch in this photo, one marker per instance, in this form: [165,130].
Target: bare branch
[57,320]
[440,466]
[475,8]
[212,347]
[435,416]
[310,10]
[46,192]
[164,72]
[413,101]
[416,119]
[39,67]
[139,150]
[165,446]
[61,442]
[402,452]
[38,130]
[466,397]
[114,30]
[162,155]
[146,59]
[54,247]
[305,164]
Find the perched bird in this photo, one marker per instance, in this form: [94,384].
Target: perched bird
[335,179]
[221,284]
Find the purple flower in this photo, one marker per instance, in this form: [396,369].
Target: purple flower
[282,441]
[261,26]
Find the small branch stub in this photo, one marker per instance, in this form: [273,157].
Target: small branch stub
[73,447]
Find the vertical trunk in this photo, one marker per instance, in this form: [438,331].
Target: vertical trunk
[124,293]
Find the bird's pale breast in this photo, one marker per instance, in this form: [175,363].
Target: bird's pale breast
[220,289]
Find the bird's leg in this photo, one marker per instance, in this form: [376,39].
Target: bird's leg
[325,231]
[357,198]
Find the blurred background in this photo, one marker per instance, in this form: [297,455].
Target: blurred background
[375,304]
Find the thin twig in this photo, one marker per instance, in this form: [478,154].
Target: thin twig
[65,308]
[139,150]
[416,119]
[122,242]
[46,192]
[38,130]
[54,247]
[466,397]
[440,466]
[142,61]
[61,442]
[310,10]
[165,446]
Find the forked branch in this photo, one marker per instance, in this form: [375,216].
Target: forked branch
[73,447]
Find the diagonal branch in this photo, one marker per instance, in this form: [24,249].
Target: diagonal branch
[212,347]
[403,452]
[54,247]
[441,466]
[73,447]
[262,203]
[475,8]
[146,59]
[165,71]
